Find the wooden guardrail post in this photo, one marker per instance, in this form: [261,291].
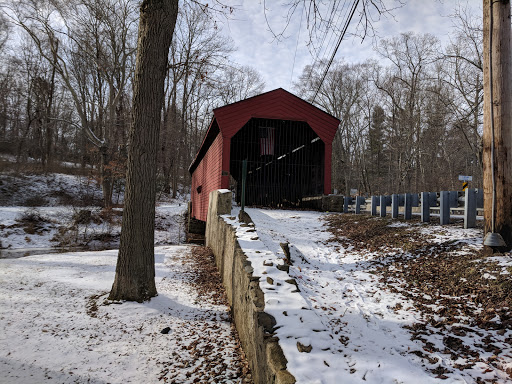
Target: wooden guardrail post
[470,208]
[395,204]
[408,206]
[444,208]
[425,207]
[347,200]
[382,206]
[375,203]
[359,201]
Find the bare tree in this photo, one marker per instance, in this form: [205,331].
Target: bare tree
[321,16]
[4,31]
[88,45]
[405,86]
[197,52]
[135,270]
[341,95]
[463,68]
[237,84]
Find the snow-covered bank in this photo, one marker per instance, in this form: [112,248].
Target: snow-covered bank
[56,326]
[373,329]
[59,210]
[63,226]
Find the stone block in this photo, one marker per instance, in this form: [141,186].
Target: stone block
[268,322]
[285,377]
[275,357]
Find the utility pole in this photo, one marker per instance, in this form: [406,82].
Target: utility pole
[497,136]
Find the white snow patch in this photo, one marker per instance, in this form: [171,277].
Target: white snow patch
[51,330]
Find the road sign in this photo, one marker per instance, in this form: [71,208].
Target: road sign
[465,178]
[464,185]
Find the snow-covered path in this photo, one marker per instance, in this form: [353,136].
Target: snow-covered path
[366,322]
[56,326]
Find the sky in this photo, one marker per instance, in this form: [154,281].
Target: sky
[281,62]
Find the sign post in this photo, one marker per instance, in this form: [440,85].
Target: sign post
[465,181]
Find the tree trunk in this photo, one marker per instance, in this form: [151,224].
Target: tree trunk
[107,180]
[501,110]
[49,124]
[135,270]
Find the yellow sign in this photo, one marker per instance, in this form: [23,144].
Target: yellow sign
[464,185]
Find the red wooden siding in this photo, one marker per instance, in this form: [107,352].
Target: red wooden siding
[207,175]
[277,104]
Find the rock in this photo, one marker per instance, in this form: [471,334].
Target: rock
[284,377]
[304,348]
[275,357]
[270,280]
[268,263]
[286,249]
[256,295]
[283,267]
[244,218]
[165,331]
[268,322]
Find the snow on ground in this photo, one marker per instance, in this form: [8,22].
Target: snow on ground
[38,212]
[353,324]
[48,190]
[56,326]
[27,229]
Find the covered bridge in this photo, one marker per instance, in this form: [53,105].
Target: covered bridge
[287,143]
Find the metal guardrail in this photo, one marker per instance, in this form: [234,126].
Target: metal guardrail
[445,201]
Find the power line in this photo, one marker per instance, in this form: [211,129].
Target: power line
[334,11]
[345,27]
[330,22]
[297,45]
[327,49]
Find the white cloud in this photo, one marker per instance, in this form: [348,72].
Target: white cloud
[274,59]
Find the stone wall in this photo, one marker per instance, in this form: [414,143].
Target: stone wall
[247,300]
[326,203]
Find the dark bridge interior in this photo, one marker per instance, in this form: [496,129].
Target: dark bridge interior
[285,162]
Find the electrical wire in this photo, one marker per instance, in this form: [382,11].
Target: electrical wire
[327,49]
[297,45]
[345,27]
[334,11]
[332,37]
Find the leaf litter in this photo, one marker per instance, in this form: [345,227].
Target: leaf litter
[463,298]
